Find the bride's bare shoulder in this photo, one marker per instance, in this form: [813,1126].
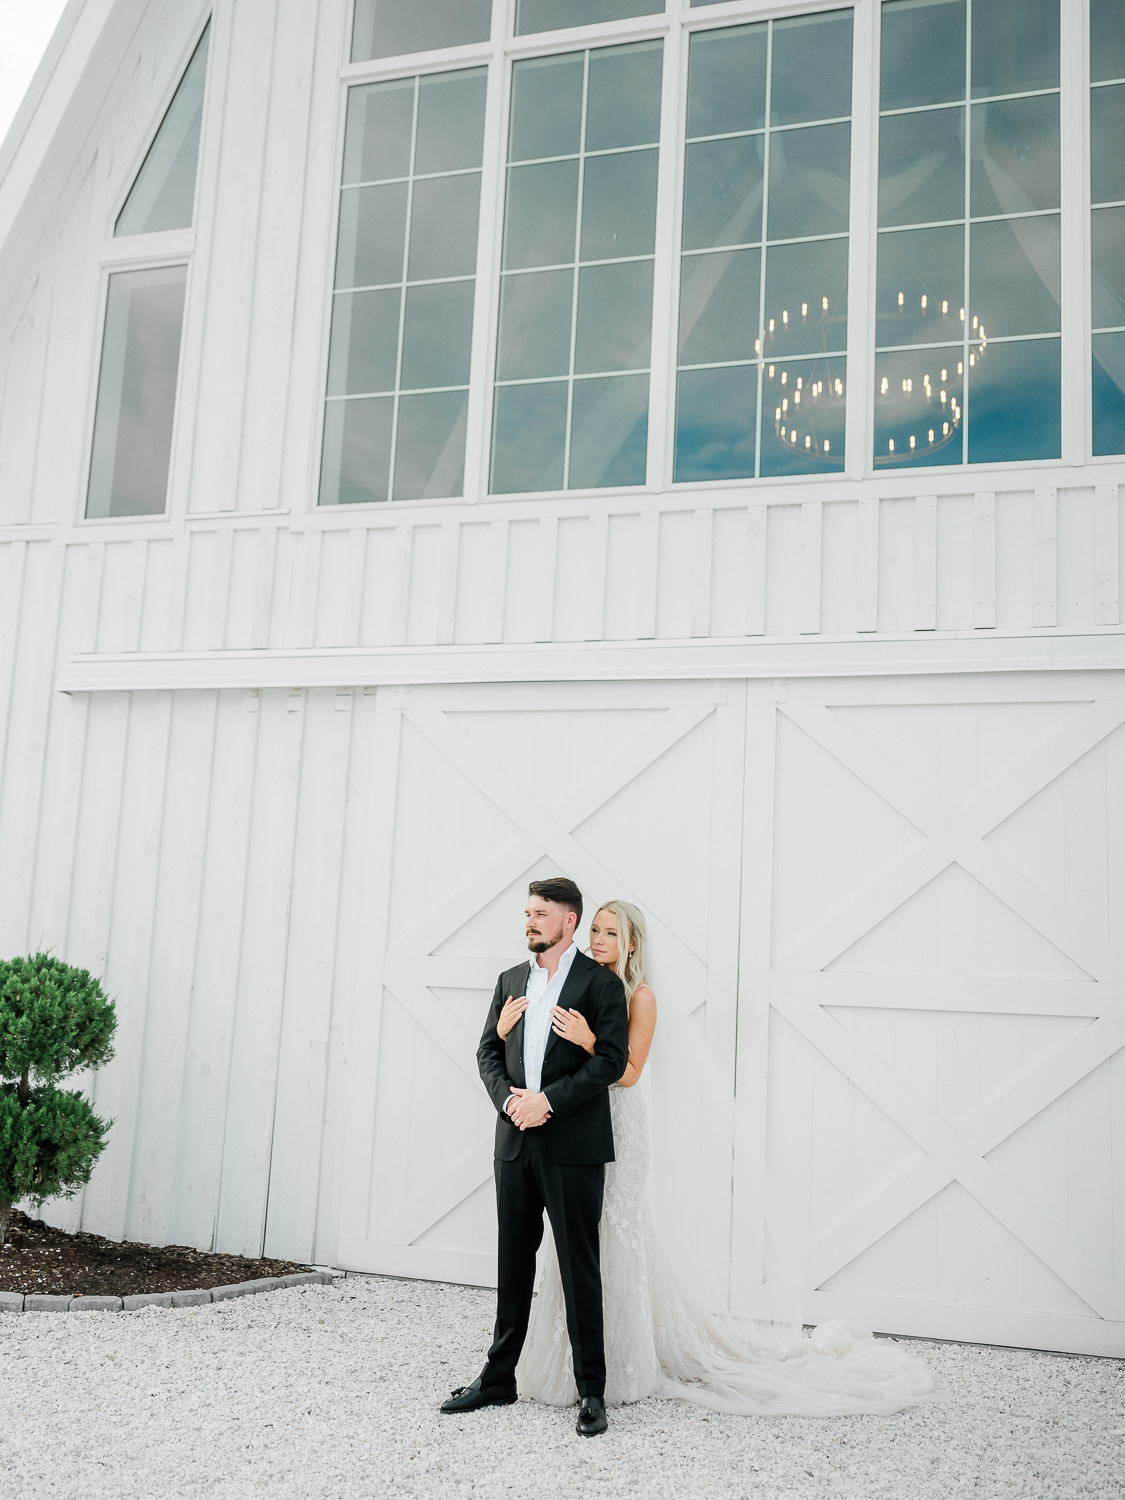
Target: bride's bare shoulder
[644,996]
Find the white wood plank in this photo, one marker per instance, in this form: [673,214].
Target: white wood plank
[251,1099]
[647,563]
[137,837]
[302,1070]
[984,560]
[867,563]
[214,994]
[925,562]
[595,575]
[755,570]
[701,545]
[400,583]
[177,895]
[546,562]
[265,566]
[812,519]
[301,618]
[446,612]
[751,1103]
[23,754]
[1045,523]
[364,902]
[496,582]
[1107,559]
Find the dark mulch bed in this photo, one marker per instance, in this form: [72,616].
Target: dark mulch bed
[38,1258]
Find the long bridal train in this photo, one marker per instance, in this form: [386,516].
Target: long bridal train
[660,1342]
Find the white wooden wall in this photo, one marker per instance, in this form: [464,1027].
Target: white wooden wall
[857,747]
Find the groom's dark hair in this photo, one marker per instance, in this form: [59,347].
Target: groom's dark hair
[562,891]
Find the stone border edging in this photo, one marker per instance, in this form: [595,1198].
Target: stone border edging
[46,1302]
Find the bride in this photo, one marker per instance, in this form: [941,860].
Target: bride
[658,1340]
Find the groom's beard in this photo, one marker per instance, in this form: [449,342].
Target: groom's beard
[537,942]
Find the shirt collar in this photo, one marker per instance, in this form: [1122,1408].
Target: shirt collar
[565,961]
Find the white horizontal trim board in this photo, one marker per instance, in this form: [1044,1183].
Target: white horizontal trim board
[603,662]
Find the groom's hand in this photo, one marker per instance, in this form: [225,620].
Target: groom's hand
[528,1110]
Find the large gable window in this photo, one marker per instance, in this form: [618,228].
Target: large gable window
[721,243]
[144,311]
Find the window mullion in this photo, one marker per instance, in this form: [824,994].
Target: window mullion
[665,279]
[859,417]
[1074,149]
[486,308]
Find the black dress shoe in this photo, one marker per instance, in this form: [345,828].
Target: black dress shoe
[470,1397]
[591,1417]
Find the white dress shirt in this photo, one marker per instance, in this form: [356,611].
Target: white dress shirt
[542,996]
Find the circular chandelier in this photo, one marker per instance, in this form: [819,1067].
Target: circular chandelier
[923,404]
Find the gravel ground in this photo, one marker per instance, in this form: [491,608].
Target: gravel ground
[333,1391]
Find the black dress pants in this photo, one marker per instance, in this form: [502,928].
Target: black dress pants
[572,1196]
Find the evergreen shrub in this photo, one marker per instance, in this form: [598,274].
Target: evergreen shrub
[54,1020]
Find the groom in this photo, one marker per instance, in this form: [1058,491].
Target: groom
[553,1138]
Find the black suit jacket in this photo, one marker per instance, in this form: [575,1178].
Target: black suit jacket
[579,1130]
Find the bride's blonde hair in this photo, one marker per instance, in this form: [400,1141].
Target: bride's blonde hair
[631,935]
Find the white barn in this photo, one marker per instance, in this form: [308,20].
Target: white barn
[676,444]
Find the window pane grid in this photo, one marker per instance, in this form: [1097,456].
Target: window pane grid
[570,406]
[997,289]
[398,365]
[789,314]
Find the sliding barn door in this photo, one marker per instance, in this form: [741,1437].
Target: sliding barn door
[931,1003]
[633,790]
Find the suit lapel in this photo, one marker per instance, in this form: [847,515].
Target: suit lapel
[520,978]
[573,985]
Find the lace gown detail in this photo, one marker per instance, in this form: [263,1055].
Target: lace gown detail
[660,1341]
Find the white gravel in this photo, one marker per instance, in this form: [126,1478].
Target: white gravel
[333,1391]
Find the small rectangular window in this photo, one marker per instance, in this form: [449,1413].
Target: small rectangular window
[762,385]
[1107,193]
[402,311]
[559,15]
[137,392]
[969,276]
[572,366]
[388,28]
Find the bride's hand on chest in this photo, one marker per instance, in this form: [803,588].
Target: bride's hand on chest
[571,1025]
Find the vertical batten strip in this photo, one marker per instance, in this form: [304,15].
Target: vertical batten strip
[497,580]
[755,623]
[305,587]
[595,576]
[252,1092]
[13,557]
[648,572]
[925,562]
[400,600]
[1045,522]
[447,584]
[130,605]
[701,572]
[263,588]
[548,556]
[867,564]
[219,591]
[1107,555]
[352,584]
[984,560]
[812,520]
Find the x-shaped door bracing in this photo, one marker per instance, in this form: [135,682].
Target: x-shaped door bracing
[798,989]
[411,967]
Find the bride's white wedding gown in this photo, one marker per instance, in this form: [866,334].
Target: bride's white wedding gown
[660,1342]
